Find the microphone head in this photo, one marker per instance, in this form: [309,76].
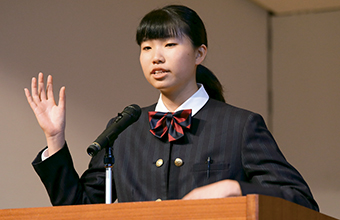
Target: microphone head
[134,111]
[128,116]
[93,149]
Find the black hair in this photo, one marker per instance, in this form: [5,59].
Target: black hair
[178,21]
[210,82]
[172,21]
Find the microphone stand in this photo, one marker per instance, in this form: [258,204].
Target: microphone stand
[109,161]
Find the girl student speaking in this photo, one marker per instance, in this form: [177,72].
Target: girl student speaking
[188,145]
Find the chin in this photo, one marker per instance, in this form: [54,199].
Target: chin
[160,86]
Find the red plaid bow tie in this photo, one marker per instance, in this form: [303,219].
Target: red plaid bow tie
[173,123]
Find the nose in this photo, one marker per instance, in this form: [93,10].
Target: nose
[158,57]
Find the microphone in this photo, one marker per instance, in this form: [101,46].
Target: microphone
[124,119]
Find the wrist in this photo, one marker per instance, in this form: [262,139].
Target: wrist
[55,143]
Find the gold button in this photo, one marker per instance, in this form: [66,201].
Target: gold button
[178,162]
[158,200]
[159,162]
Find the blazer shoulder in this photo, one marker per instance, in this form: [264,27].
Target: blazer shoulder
[226,107]
[149,108]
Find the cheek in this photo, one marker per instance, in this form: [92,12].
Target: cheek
[145,73]
[141,59]
[186,61]
[142,63]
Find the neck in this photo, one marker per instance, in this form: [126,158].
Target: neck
[173,100]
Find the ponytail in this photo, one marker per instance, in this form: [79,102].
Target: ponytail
[210,82]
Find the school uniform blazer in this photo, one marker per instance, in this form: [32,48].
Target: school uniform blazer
[148,168]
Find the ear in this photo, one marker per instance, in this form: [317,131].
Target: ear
[201,52]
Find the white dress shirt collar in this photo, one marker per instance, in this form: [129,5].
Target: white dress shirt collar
[195,102]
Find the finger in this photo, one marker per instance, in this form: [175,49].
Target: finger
[41,87]
[29,98]
[49,88]
[188,197]
[34,90]
[62,98]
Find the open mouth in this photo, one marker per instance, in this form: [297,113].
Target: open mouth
[160,72]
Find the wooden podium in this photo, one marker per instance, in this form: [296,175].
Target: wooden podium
[250,207]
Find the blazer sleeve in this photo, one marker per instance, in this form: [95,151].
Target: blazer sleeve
[267,170]
[63,184]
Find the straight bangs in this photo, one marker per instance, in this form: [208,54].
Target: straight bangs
[159,24]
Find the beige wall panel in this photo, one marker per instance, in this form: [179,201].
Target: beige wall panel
[307,100]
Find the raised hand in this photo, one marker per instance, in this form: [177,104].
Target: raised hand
[51,117]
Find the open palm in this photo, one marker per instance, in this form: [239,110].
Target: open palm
[50,116]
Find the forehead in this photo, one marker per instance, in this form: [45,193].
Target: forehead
[153,34]
[160,25]
[180,39]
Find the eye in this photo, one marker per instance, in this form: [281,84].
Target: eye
[146,48]
[170,44]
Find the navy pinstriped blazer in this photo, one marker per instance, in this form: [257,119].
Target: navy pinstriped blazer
[237,141]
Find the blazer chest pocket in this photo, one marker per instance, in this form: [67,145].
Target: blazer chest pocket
[205,174]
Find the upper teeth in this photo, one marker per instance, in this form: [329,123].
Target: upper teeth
[159,71]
